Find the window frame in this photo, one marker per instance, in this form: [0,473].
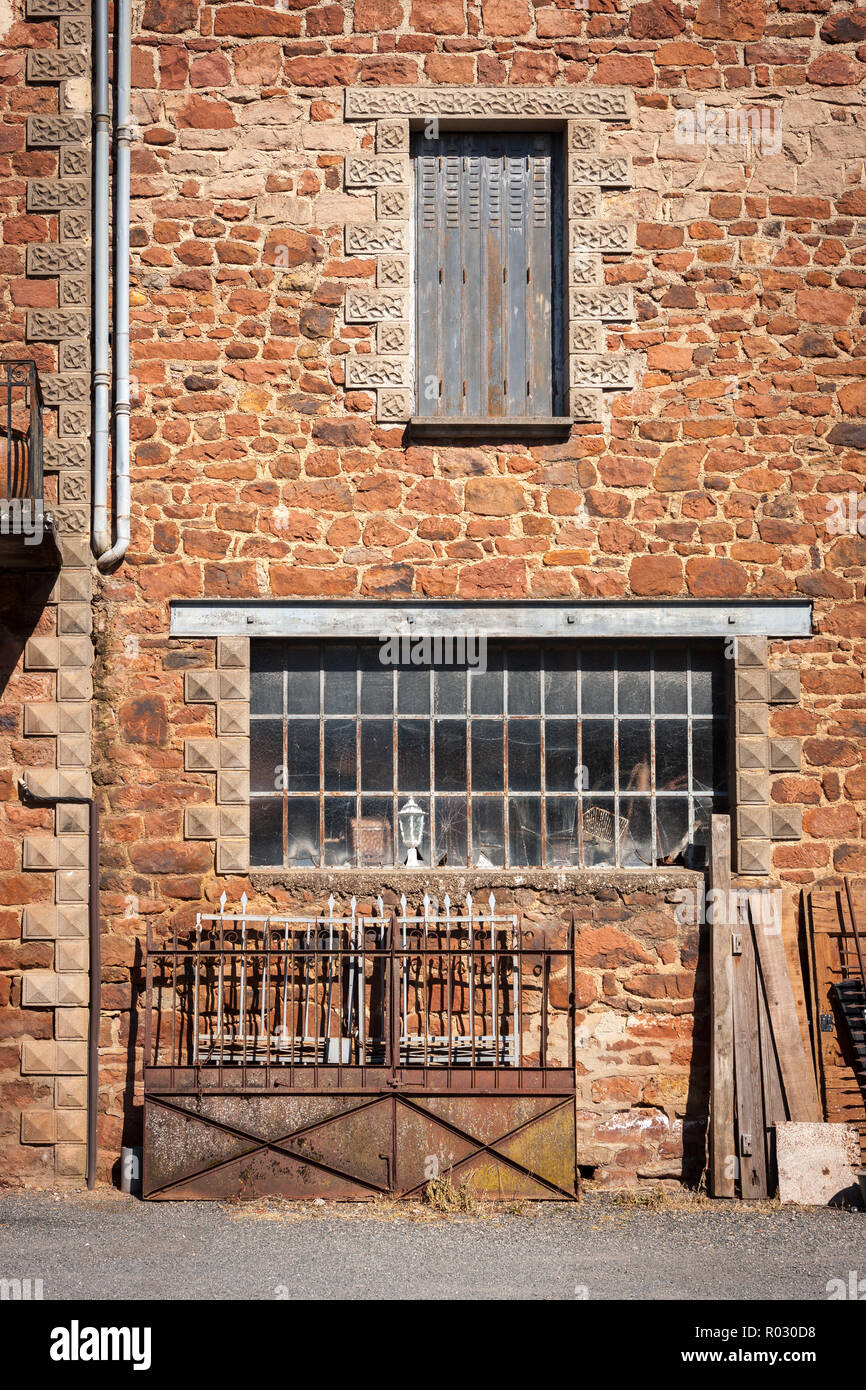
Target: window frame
[506,801]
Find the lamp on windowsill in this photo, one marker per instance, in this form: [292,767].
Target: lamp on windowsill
[411,821]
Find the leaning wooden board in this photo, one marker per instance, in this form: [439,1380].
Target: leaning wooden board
[840,1090]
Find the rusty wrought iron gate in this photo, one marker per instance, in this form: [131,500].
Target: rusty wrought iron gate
[350,1057]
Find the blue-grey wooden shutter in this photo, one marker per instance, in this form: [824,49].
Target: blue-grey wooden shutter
[486,275]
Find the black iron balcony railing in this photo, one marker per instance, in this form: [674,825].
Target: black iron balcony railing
[21,402]
[27,531]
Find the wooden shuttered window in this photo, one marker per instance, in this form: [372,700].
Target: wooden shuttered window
[487,276]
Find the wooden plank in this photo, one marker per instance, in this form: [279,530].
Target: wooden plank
[775,1111]
[494,220]
[797,1076]
[747,1071]
[791,943]
[722,1147]
[452,363]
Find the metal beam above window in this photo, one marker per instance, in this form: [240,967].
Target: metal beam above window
[519,619]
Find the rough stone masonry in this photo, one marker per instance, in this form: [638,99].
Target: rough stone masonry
[719,451]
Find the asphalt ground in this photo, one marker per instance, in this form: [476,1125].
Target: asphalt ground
[104,1245]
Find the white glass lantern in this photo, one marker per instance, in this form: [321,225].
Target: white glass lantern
[411,821]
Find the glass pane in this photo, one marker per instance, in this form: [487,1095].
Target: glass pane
[404,825]
[486,686]
[266,830]
[413,692]
[524,689]
[560,681]
[597,749]
[340,680]
[672,821]
[698,855]
[341,755]
[524,755]
[372,837]
[709,754]
[596,683]
[377,683]
[266,679]
[671,680]
[488,755]
[302,688]
[413,755]
[377,754]
[302,819]
[450,692]
[672,755]
[266,756]
[302,755]
[634,755]
[524,830]
[634,683]
[561,770]
[636,824]
[488,835]
[601,830]
[338,810]
[450,830]
[562,842]
[708,683]
[450,755]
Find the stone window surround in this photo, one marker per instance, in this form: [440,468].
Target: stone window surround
[580,113]
[754,688]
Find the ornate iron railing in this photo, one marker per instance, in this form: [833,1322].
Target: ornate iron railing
[21,405]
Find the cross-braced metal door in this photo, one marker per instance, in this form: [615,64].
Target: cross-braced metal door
[350,1057]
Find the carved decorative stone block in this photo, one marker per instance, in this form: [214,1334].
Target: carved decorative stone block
[598,169]
[393,203]
[753,787]
[374,305]
[233,717]
[369,239]
[583,201]
[200,823]
[584,268]
[234,685]
[234,754]
[392,136]
[590,369]
[371,171]
[585,336]
[233,788]
[372,370]
[232,856]
[753,856]
[201,687]
[752,753]
[394,406]
[201,754]
[584,407]
[583,136]
[786,822]
[753,822]
[785,754]
[600,303]
[784,687]
[753,720]
[603,103]
[592,235]
[751,684]
[392,272]
[233,653]
[392,338]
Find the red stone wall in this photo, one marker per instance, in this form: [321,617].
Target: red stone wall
[256,474]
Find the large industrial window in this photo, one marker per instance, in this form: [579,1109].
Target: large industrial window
[487,275]
[553,754]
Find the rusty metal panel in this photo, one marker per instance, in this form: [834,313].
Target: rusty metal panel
[350,1059]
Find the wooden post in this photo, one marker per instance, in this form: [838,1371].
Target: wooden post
[722,1150]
